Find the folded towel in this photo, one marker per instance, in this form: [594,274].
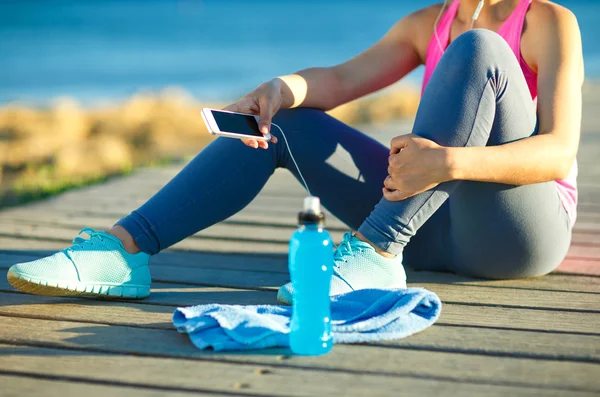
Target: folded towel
[366,315]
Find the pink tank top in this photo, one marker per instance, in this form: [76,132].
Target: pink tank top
[511,31]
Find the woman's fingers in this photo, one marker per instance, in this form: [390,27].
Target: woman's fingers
[264,120]
[393,195]
[265,114]
[254,144]
[389,183]
[265,105]
[234,107]
[251,143]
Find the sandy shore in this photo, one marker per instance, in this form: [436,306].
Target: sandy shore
[47,150]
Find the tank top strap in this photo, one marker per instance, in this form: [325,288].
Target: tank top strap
[445,24]
[512,28]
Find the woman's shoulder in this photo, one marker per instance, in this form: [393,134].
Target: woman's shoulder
[421,22]
[424,17]
[548,13]
[547,25]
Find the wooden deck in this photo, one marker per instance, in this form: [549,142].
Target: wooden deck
[494,338]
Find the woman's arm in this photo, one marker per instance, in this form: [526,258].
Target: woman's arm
[401,50]
[386,62]
[556,47]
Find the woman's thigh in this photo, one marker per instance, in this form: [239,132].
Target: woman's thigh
[503,231]
[342,166]
[494,231]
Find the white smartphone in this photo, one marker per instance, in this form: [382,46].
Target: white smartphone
[233,125]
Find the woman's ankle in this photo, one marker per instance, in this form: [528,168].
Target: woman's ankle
[381,252]
[126,239]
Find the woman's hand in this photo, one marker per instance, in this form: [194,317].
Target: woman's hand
[415,164]
[264,101]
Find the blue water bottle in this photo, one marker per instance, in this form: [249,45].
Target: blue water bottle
[311,267]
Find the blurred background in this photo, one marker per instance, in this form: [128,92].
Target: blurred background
[90,89]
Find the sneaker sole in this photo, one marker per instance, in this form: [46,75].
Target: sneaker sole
[50,288]
[283,299]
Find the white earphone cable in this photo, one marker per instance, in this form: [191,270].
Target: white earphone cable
[292,156]
[476,13]
[435,25]
[437,21]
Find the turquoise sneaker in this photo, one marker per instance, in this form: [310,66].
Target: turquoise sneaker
[356,265]
[99,266]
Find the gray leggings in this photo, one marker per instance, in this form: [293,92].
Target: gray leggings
[476,97]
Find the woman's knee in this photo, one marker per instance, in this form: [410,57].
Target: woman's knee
[478,50]
[478,41]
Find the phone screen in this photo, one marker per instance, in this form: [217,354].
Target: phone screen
[237,123]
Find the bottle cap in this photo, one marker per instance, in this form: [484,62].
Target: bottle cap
[311,212]
[312,204]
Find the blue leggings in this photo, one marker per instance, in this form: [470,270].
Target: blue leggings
[477,96]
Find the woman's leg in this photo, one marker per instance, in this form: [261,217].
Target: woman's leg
[476,97]
[220,181]
[227,175]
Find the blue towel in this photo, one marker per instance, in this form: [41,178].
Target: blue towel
[367,315]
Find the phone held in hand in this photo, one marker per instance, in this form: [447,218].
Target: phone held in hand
[233,125]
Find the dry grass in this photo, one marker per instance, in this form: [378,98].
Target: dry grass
[45,151]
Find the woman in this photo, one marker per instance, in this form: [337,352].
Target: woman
[484,186]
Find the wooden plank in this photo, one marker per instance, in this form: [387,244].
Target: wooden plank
[206,244]
[218,238]
[12,243]
[588,216]
[589,207]
[128,313]
[552,282]
[107,201]
[582,238]
[508,297]
[144,184]
[270,212]
[105,215]
[588,195]
[176,295]
[590,267]
[517,318]
[166,343]
[278,264]
[158,176]
[98,219]
[588,227]
[227,277]
[261,229]
[414,371]
[34,385]
[202,243]
[105,218]
[584,251]
[204,269]
[132,193]
[175,259]
[182,295]
[404,362]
